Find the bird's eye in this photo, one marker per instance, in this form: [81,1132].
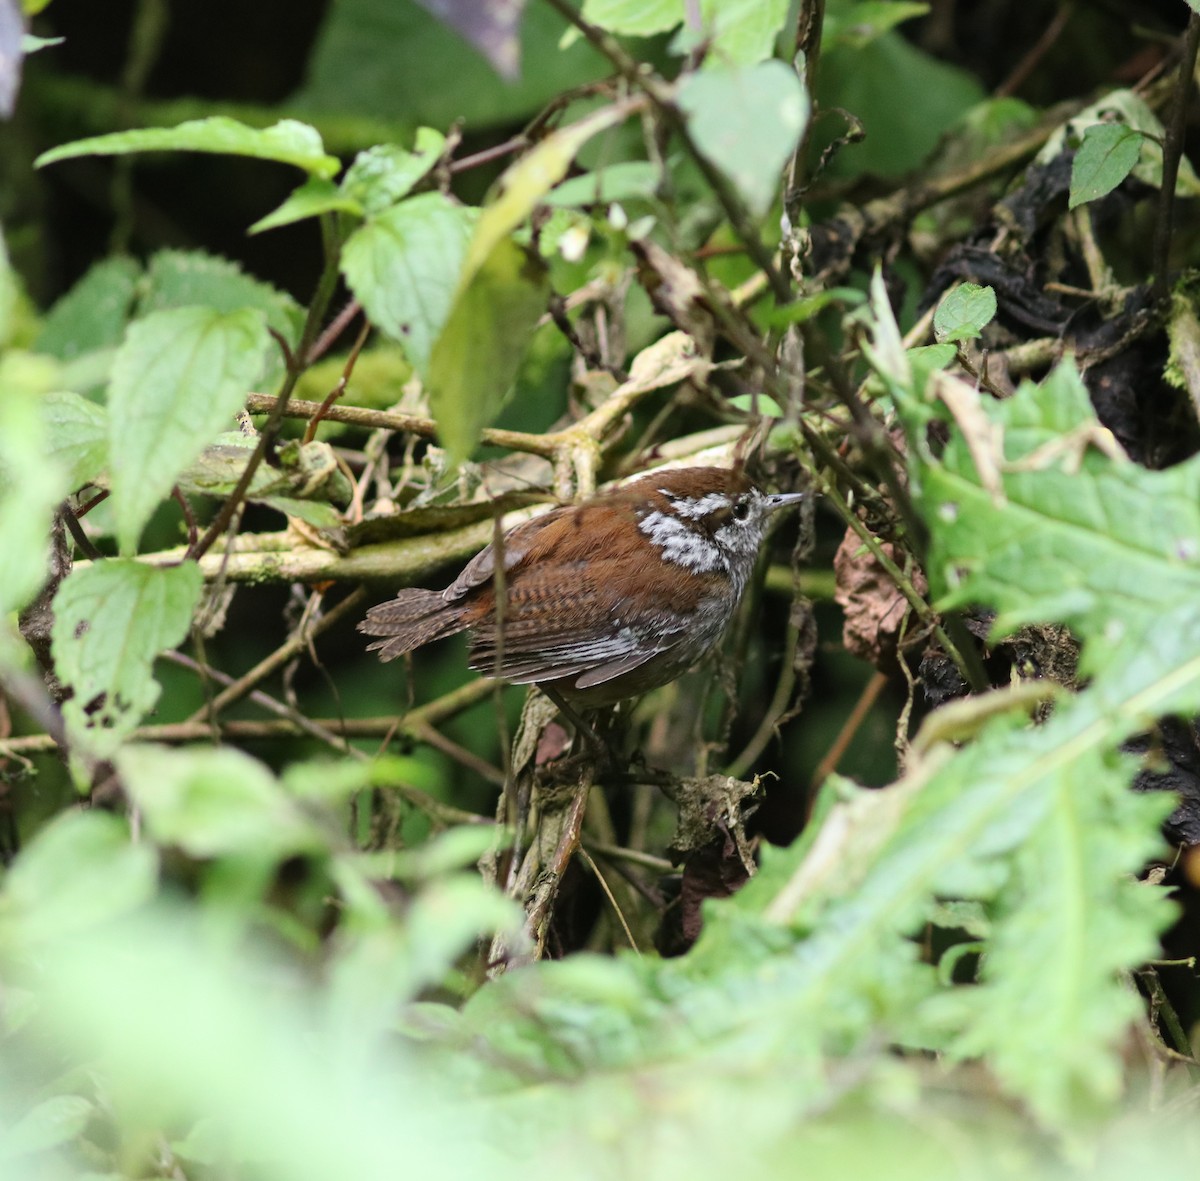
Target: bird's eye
[741,510]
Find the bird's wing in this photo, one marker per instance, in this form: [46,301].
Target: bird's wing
[515,545]
[591,629]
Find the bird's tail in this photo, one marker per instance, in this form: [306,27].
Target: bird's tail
[414,617]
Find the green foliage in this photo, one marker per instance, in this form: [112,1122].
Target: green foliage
[404,265]
[77,436]
[739,32]
[93,314]
[1119,109]
[111,620]
[964,313]
[391,59]
[477,355]
[177,379]
[379,177]
[1105,158]
[284,967]
[287,142]
[747,122]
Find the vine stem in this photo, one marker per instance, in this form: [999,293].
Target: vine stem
[297,362]
[1172,153]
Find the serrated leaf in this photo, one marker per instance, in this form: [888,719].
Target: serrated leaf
[178,379]
[287,142]
[476,357]
[31,485]
[80,871]
[404,266]
[962,314]
[93,314]
[77,435]
[186,278]
[52,1122]
[747,122]
[215,802]
[111,619]
[1072,908]
[1086,539]
[315,196]
[1105,158]
[385,174]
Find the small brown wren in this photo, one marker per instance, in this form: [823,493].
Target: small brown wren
[603,600]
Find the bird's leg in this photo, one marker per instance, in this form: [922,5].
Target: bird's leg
[583,727]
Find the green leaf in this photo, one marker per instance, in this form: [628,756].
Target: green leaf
[314,197]
[31,44]
[475,359]
[634,18]
[762,404]
[287,142]
[390,60]
[1084,539]
[31,485]
[93,314]
[52,1122]
[80,871]
[747,122]
[963,313]
[385,174]
[867,79]
[111,619]
[178,379]
[1128,109]
[305,480]
[631,180]
[215,802]
[811,305]
[77,433]
[1105,158]
[1071,911]
[404,266]
[525,183]
[859,23]
[738,32]
[185,278]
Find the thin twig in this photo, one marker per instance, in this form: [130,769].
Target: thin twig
[335,328]
[188,516]
[267,702]
[1172,153]
[76,530]
[587,860]
[293,646]
[767,728]
[1037,51]
[862,707]
[310,431]
[241,730]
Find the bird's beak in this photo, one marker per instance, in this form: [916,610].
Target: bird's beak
[783,499]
